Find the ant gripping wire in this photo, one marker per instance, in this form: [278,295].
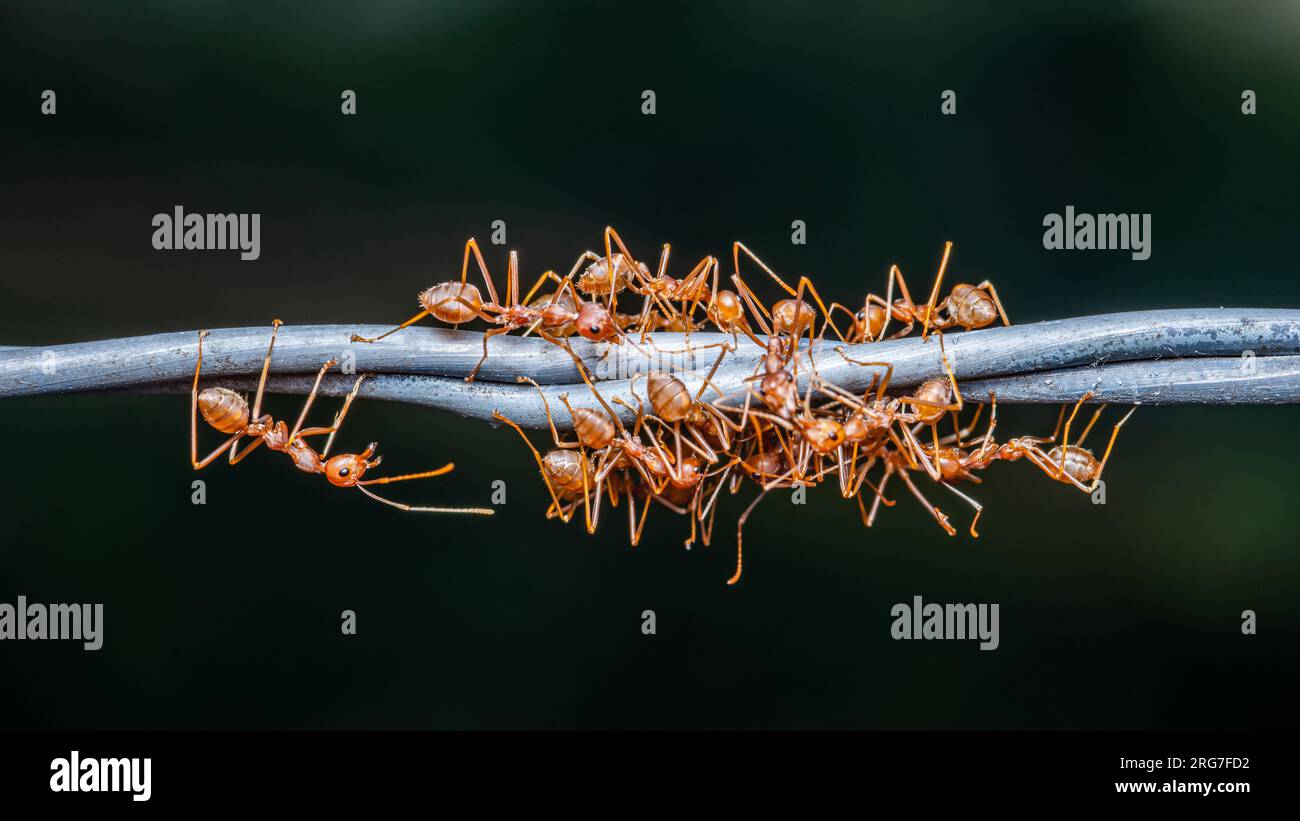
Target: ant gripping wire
[1179,356]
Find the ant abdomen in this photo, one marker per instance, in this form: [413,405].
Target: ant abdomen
[444,302]
[593,428]
[765,465]
[669,397]
[936,394]
[1079,462]
[972,307]
[792,316]
[224,409]
[565,467]
[596,278]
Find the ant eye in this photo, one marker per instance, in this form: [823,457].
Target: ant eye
[344,471]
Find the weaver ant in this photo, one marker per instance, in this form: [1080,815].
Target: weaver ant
[966,306]
[1071,464]
[228,412]
[459,302]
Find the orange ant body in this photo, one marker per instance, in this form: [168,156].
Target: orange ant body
[229,413]
[1071,464]
[966,306]
[459,302]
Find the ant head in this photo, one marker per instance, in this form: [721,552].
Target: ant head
[595,323]
[346,469]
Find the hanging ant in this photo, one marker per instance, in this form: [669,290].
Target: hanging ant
[1071,464]
[228,412]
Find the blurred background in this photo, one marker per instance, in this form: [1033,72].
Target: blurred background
[1125,615]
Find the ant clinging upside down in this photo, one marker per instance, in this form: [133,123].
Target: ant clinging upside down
[228,412]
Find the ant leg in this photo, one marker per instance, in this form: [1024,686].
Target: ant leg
[476,310]
[627,256]
[919,451]
[979,508]
[207,460]
[567,281]
[756,307]
[408,323]
[311,398]
[546,406]
[909,314]
[338,419]
[934,293]
[959,434]
[237,456]
[1040,460]
[993,292]
[582,371]
[889,370]
[934,511]
[266,366]
[547,276]
[1056,431]
[1114,434]
[195,462]
[737,247]
[472,244]
[1065,440]
[512,278]
[880,494]
[541,466]
[853,322]
[1079,442]
[645,514]
[590,519]
[688,289]
[487,335]
[952,377]
[740,537]
[826,314]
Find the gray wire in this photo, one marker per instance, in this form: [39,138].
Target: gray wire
[1197,356]
[1204,381]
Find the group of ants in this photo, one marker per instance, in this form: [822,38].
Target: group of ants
[686,447]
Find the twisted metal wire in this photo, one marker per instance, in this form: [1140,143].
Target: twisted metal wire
[1178,356]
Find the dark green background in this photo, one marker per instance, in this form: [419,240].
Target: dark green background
[227,615]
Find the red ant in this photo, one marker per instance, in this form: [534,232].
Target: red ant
[228,412]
